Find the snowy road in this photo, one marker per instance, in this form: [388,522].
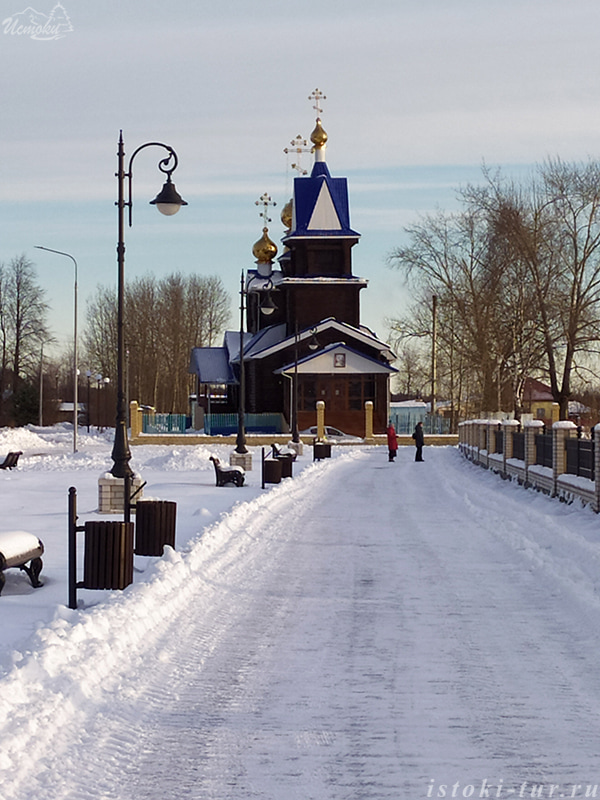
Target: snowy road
[367,630]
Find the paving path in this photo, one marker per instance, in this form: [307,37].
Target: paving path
[382,631]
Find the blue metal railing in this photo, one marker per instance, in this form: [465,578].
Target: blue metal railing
[163,423]
[227,424]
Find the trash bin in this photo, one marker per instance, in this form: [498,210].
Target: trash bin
[286,465]
[321,450]
[271,470]
[154,526]
[108,555]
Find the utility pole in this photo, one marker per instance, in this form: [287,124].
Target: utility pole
[433,353]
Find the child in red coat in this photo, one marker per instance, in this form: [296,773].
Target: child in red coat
[392,442]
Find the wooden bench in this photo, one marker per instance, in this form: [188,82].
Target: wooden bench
[283,452]
[10,460]
[16,549]
[227,474]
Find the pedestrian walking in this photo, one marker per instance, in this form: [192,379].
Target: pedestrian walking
[419,441]
[392,442]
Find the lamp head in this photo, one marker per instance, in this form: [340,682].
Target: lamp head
[168,200]
[267,306]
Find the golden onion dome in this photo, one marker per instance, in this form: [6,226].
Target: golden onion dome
[319,137]
[264,249]
[286,214]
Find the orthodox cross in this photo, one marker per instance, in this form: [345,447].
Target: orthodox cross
[299,145]
[317,96]
[265,201]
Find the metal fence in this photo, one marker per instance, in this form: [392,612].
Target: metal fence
[543,449]
[432,425]
[164,423]
[519,445]
[227,424]
[499,441]
[580,457]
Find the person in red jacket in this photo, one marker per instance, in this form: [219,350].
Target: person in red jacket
[392,442]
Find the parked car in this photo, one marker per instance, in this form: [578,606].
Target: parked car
[333,435]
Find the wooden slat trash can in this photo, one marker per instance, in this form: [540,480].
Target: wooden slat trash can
[154,526]
[286,465]
[271,470]
[321,450]
[108,555]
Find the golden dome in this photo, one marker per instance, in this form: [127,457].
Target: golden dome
[318,137]
[264,250]
[286,214]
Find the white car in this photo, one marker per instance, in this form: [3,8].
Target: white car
[333,435]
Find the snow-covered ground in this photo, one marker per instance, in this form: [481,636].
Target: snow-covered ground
[363,630]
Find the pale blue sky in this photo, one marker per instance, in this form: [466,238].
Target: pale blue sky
[419,94]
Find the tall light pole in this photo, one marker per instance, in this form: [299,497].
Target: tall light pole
[168,202]
[75,382]
[433,356]
[240,442]
[267,307]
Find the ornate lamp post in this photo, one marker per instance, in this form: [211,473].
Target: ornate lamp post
[168,202]
[264,251]
[75,371]
[240,442]
[267,307]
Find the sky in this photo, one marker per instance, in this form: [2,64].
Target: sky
[299,642]
[418,97]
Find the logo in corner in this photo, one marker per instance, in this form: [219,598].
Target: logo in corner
[36,25]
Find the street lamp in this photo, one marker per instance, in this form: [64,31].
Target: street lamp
[99,419]
[168,202]
[88,375]
[75,382]
[267,307]
[313,344]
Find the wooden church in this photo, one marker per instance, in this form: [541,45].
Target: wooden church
[303,340]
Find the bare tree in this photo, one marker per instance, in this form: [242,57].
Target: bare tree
[164,320]
[26,318]
[552,226]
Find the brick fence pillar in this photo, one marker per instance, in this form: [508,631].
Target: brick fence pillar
[531,429]
[509,426]
[560,431]
[597,468]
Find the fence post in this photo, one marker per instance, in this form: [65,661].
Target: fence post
[135,416]
[369,422]
[596,438]
[320,419]
[473,440]
[481,438]
[532,428]
[509,426]
[560,431]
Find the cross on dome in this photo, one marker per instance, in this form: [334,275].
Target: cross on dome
[265,201]
[317,96]
[299,145]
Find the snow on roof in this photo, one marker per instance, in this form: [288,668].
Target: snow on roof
[211,365]
[409,404]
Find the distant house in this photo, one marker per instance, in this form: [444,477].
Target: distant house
[539,402]
[311,346]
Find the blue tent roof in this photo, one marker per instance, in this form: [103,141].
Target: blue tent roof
[309,193]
